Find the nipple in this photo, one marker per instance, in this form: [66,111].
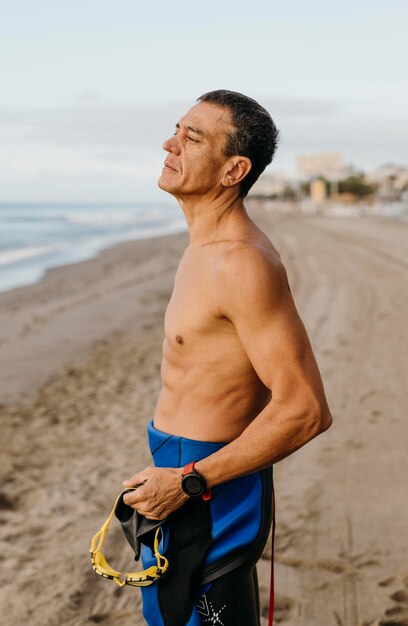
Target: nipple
[179,339]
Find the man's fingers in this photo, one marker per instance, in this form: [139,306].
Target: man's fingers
[135,481]
[138,506]
[133,497]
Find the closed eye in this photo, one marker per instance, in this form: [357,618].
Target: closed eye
[189,137]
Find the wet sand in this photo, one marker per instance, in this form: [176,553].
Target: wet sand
[79,378]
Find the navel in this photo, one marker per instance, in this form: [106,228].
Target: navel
[179,339]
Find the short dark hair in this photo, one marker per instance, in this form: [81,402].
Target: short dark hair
[256,136]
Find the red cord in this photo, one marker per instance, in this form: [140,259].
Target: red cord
[272,591]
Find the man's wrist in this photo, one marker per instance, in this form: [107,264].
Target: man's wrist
[199,468]
[193,483]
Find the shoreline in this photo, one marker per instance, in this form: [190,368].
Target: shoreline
[35,318]
[87,256]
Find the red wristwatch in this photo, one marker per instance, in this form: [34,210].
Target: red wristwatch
[193,483]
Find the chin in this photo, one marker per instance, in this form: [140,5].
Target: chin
[162,184]
[166,185]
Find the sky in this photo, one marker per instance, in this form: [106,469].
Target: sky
[91,89]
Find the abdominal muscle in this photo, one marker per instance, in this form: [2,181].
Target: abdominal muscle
[208,399]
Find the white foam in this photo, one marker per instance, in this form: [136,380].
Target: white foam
[19,254]
[101,228]
[85,217]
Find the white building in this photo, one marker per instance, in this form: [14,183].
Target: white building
[327,164]
[389,176]
[269,184]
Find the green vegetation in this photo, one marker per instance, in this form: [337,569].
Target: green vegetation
[288,193]
[357,186]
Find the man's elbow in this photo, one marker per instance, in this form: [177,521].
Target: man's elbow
[326,420]
[322,421]
[316,418]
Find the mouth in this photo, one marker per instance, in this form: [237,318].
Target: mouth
[167,166]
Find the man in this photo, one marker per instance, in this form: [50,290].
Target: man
[241,389]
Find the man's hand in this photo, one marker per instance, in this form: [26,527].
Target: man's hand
[159,491]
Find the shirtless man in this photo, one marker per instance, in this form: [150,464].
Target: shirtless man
[241,389]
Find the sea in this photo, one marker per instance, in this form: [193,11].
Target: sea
[36,237]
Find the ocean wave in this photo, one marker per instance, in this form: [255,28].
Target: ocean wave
[99,219]
[8,257]
[87,246]
[164,229]
[118,217]
[8,220]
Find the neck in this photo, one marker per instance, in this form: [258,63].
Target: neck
[211,220]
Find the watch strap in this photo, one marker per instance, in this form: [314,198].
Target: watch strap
[189,469]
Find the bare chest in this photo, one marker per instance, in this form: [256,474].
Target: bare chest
[192,314]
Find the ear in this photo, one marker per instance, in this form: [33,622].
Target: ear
[236,170]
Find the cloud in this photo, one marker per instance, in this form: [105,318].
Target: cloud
[56,186]
[90,125]
[364,140]
[90,122]
[294,107]
[90,145]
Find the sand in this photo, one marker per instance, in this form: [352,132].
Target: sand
[79,377]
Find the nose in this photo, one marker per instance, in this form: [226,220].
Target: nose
[172,145]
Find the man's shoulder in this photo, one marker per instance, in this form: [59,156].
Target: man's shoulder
[250,259]
[250,281]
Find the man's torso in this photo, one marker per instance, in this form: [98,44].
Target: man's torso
[210,390]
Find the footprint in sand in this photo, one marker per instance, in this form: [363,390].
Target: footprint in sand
[6,502]
[367,394]
[397,615]
[285,607]
[119,618]
[342,342]
[386,582]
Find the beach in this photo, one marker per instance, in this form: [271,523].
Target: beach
[80,355]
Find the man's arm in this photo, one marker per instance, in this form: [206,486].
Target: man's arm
[252,291]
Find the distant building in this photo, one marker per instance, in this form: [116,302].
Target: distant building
[326,164]
[269,185]
[390,176]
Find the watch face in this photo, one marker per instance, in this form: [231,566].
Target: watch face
[193,485]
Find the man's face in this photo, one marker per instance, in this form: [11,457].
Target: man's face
[195,159]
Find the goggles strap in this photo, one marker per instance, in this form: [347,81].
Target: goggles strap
[142,578]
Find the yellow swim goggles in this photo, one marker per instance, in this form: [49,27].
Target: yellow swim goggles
[100,565]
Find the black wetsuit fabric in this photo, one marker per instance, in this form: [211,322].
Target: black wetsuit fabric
[232,599]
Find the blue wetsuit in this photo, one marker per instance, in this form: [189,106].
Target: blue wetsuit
[212,547]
